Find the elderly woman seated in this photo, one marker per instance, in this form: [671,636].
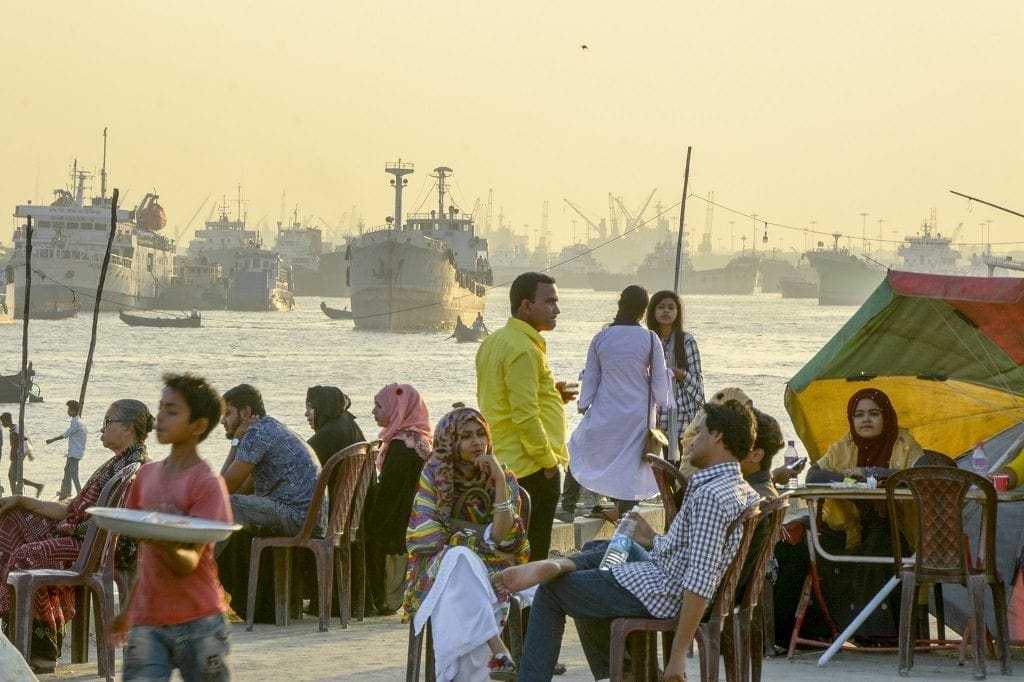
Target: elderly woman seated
[37,534]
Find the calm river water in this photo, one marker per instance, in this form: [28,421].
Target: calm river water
[754,342]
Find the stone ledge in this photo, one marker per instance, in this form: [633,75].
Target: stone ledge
[567,538]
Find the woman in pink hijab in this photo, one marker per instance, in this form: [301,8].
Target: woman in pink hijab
[406,443]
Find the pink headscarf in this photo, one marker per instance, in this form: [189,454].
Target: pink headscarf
[408,420]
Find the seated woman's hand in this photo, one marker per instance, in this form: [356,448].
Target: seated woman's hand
[855,472]
[488,464]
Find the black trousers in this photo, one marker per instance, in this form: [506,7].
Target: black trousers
[544,493]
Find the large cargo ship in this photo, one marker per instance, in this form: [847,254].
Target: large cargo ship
[422,274]
[69,240]
[843,279]
[657,271]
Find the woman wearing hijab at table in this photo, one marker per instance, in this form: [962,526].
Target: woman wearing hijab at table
[406,442]
[875,445]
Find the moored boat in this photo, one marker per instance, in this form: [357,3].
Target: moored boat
[11,387]
[795,287]
[421,274]
[191,321]
[464,334]
[334,313]
[69,240]
[261,282]
[843,279]
[7,299]
[657,272]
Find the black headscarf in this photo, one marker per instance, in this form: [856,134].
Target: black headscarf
[328,403]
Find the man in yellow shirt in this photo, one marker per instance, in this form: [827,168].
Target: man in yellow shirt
[523,403]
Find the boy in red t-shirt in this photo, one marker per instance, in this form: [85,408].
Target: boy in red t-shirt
[176,610]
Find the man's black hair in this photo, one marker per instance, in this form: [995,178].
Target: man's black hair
[735,422]
[201,398]
[524,288]
[769,437]
[244,395]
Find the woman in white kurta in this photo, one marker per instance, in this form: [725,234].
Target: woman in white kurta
[624,378]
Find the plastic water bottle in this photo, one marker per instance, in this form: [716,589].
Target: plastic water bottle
[618,546]
[979,460]
[789,459]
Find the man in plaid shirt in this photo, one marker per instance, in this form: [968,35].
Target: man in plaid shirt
[665,576]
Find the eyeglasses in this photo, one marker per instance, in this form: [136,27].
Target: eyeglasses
[108,420]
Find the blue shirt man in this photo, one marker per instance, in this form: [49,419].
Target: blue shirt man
[270,472]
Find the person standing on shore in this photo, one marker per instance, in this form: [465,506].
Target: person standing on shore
[20,449]
[75,435]
[522,402]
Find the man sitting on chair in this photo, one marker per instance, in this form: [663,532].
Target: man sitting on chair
[666,576]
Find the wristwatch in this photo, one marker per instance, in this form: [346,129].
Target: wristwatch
[235,442]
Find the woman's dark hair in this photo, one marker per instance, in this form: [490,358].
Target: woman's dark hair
[135,415]
[524,288]
[328,403]
[633,302]
[678,347]
[735,422]
[201,398]
[244,395]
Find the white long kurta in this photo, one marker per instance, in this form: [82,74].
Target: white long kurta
[622,382]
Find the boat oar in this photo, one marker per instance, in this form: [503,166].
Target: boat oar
[99,297]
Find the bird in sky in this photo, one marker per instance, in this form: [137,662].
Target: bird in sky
[583,47]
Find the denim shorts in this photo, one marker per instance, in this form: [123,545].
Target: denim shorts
[198,649]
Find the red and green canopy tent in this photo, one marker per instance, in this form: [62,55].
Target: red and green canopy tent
[947,350]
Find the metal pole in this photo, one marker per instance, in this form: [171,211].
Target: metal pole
[682,221]
[99,297]
[17,458]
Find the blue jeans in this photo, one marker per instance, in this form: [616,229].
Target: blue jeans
[590,596]
[198,649]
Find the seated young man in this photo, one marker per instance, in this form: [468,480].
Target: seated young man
[670,575]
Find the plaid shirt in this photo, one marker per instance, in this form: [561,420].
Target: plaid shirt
[694,554]
[688,393]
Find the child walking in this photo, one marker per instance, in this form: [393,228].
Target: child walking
[176,610]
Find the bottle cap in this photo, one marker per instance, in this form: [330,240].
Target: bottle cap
[979,444]
[790,442]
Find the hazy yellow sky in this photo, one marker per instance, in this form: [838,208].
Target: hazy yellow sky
[797,111]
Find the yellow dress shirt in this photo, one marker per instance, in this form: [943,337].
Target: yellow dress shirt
[516,393]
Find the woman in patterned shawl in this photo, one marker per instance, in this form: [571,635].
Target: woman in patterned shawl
[465,500]
[36,534]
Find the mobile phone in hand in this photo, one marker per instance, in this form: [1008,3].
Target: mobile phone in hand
[797,465]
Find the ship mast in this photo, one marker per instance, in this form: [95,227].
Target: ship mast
[103,170]
[442,173]
[398,169]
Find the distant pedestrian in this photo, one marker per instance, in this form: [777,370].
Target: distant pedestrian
[75,435]
[176,610]
[20,449]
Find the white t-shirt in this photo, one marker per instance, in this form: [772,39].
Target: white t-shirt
[76,438]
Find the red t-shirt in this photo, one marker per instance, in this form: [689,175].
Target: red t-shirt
[161,596]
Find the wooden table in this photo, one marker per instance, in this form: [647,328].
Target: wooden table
[814,494]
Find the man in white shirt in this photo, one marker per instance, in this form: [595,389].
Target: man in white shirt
[75,436]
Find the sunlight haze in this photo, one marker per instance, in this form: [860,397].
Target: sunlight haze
[796,111]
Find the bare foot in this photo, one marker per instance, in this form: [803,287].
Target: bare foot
[516,578]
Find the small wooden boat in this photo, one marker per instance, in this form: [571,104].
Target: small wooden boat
[334,313]
[464,334]
[194,320]
[10,387]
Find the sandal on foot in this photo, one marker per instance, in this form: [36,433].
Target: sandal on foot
[559,668]
[501,667]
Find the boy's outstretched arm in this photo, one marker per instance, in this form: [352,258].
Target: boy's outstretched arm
[181,558]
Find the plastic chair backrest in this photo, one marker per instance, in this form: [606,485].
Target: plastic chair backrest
[939,494]
[112,495]
[671,485]
[359,501]
[722,604]
[773,513]
[525,507]
[344,470]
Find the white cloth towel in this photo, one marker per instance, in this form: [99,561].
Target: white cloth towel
[464,614]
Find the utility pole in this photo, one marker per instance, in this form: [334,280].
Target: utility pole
[863,229]
[753,241]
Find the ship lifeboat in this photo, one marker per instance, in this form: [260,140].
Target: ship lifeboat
[150,215]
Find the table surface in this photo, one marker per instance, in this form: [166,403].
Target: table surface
[825,490]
